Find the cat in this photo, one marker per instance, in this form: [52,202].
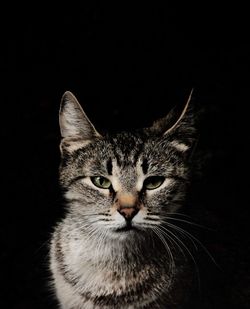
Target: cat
[118,245]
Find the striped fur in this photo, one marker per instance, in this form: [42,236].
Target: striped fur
[99,258]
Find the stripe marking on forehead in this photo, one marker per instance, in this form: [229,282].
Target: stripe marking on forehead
[109,166]
[144,166]
[115,176]
[141,170]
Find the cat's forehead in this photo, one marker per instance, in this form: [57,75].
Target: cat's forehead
[128,150]
[127,144]
[123,150]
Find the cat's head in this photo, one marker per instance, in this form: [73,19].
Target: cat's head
[128,181]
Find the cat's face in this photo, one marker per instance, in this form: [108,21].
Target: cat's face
[127,182]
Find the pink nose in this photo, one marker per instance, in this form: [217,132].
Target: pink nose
[128,212]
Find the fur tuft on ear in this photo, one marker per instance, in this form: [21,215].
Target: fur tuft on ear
[185,115]
[177,127]
[76,129]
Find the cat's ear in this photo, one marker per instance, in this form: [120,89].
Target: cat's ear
[76,128]
[179,127]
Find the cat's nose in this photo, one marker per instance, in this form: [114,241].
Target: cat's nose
[128,212]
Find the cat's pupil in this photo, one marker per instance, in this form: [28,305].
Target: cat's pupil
[153,182]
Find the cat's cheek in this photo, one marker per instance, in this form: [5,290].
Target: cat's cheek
[72,195]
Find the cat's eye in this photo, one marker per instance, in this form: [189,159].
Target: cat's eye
[153,182]
[101,182]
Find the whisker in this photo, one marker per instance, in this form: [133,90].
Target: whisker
[100,242]
[188,251]
[174,241]
[92,231]
[183,244]
[188,222]
[183,232]
[171,258]
[45,243]
[193,239]
[179,214]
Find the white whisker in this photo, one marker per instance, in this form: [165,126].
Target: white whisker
[158,232]
[167,217]
[193,239]
[183,232]
[167,232]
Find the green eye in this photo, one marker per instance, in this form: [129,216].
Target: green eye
[101,182]
[153,182]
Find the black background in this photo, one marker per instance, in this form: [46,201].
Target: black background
[127,65]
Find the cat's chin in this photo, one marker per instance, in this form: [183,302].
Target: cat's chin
[125,233]
[126,228]
[130,234]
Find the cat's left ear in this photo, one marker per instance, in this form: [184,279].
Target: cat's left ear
[178,127]
[76,128]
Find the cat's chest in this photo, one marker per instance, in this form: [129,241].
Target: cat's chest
[101,272]
[105,287]
[138,288]
[119,278]
[103,276]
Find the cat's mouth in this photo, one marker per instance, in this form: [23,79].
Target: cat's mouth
[127,227]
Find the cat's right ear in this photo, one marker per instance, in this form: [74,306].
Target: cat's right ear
[76,128]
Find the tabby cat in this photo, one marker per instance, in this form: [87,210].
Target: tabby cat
[118,245]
